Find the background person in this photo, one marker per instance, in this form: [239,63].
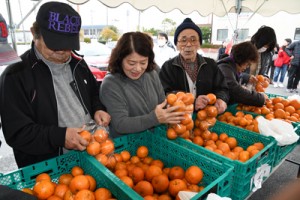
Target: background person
[293,51]
[190,72]
[284,60]
[221,51]
[161,50]
[241,57]
[48,96]
[131,91]
[264,40]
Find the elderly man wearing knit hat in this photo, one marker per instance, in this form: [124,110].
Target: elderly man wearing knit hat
[190,72]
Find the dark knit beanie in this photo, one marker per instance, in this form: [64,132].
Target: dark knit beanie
[187,24]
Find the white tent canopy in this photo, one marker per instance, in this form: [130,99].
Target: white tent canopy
[207,7]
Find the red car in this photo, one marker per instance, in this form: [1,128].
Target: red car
[99,75]
[95,54]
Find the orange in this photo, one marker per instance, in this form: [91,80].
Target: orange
[187,119]
[193,175]
[43,176]
[211,111]
[86,135]
[60,190]
[92,182]
[171,134]
[143,188]
[179,128]
[279,113]
[152,171]
[198,140]
[142,151]
[103,159]
[176,172]
[127,180]
[125,155]
[171,98]
[212,98]
[223,137]
[93,148]
[259,145]
[102,194]
[232,142]
[224,147]
[244,156]
[100,135]
[76,170]
[79,182]
[84,194]
[137,174]
[65,179]
[188,98]
[175,186]
[160,183]
[107,147]
[278,106]
[43,189]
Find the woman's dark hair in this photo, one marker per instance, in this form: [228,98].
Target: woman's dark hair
[289,41]
[130,42]
[244,52]
[265,35]
[162,34]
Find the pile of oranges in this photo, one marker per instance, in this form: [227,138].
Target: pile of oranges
[206,117]
[71,186]
[278,107]
[262,83]
[185,101]
[151,179]
[241,120]
[100,146]
[227,146]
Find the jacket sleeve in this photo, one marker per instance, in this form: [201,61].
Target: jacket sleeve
[239,94]
[220,86]
[20,122]
[167,78]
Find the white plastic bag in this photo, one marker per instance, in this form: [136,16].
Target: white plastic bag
[282,131]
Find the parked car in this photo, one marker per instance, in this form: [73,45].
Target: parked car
[95,54]
[98,74]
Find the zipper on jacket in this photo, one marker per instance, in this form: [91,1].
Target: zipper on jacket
[76,89]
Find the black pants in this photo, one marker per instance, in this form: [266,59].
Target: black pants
[294,77]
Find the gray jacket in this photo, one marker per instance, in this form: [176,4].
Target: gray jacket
[294,50]
[131,103]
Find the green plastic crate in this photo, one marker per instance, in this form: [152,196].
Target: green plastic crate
[217,177]
[243,172]
[281,151]
[25,177]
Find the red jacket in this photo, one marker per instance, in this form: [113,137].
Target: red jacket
[284,56]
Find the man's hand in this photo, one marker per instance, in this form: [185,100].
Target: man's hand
[201,102]
[74,140]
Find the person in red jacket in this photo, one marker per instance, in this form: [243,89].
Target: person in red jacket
[281,64]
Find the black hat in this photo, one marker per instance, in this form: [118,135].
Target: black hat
[187,24]
[60,25]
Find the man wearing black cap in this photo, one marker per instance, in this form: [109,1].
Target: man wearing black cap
[47,97]
[190,72]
